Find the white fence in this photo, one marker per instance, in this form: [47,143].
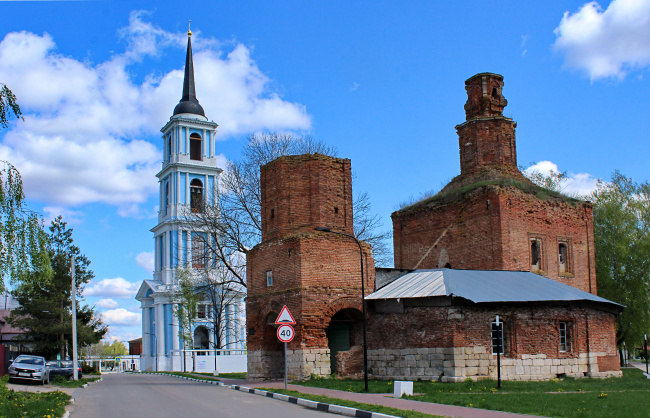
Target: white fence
[209,361]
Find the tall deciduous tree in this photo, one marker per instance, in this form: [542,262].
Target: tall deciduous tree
[185,309]
[44,295]
[622,241]
[21,232]
[231,227]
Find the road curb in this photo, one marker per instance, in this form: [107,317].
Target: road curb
[319,406]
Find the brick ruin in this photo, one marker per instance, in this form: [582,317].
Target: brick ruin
[315,274]
[490,217]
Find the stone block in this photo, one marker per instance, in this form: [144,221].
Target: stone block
[402,388]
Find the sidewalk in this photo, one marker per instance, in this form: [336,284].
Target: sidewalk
[382,399]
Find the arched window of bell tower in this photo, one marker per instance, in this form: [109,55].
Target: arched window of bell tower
[196,195]
[196,147]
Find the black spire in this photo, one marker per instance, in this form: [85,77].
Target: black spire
[189,103]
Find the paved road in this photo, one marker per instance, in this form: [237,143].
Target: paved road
[145,395]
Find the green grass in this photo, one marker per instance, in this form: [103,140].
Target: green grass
[199,376]
[241,375]
[63,382]
[628,396]
[31,404]
[351,404]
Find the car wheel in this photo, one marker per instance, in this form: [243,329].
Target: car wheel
[11,380]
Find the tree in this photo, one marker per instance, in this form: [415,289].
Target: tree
[185,308]
[21,233]
[622,241]
[8,105]
[44,295]
[222,291]
[231,227]
[223,233]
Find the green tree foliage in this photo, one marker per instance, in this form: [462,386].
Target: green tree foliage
[21,232]
[8,105]
[186,301]
[44,295]
[622,241]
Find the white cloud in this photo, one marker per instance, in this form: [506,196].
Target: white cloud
[107,304]
[580,184]
[72,217]
[81,141]
[117,287]
[121,316]
[524,41]
[606,43]
[145,260]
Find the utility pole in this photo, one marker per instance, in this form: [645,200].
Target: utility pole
[75,363]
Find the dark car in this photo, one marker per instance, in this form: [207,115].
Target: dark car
[62,368]
[32,368]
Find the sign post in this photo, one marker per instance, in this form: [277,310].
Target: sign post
[285,334]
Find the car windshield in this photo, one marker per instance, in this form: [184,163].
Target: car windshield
[52,363]
[30,360]
[66,364]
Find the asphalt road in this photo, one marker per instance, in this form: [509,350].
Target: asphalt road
[146,395]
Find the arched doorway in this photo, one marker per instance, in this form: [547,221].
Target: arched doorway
[201,339]
[343,332]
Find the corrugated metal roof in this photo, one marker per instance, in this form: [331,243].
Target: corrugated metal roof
[482,286]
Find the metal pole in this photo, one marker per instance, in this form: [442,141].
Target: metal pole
[645,350]
[75,363]
[498,353]
[285,366]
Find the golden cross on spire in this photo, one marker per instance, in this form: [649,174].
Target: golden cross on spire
[189,29]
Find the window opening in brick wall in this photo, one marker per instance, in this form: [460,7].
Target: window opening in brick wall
[535,254]
[272,213]
[196,147]
[196,195]
[495,332]
[564,258]
[565,337]
[269,278]
[336,209]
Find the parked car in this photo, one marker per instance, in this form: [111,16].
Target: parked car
[26,367]
[62,368]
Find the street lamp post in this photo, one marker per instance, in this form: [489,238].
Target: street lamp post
[363,304]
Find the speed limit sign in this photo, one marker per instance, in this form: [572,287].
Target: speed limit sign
[285,333]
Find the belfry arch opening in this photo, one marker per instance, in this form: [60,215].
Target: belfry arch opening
[196,147]
[196,195]
[343,333]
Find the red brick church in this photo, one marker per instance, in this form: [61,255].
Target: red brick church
[489,243]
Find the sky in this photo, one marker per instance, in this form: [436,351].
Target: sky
[381,81]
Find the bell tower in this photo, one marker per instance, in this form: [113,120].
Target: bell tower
[188,181]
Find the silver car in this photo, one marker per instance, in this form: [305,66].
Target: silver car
[27,367]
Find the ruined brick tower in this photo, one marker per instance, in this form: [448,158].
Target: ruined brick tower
[491,217]
[315,274]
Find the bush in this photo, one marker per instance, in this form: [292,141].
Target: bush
[88,369]
[59,380]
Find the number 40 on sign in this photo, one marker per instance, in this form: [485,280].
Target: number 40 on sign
[285,333]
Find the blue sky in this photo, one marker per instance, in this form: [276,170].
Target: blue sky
[381,81]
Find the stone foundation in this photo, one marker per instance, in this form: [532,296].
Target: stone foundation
[460,363]
[302,364]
